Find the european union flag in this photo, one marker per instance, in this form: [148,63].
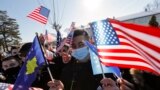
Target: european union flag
[31,66]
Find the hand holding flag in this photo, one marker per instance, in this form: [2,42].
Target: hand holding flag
[31,66]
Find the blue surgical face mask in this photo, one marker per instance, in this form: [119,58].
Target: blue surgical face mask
[81,54]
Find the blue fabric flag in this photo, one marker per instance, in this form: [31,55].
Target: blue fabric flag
[92,47]
[96,68]
[96,63]
[30,68]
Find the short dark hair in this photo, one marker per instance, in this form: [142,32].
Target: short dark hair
[79,32]
[14,47]
[25,48]
[11,57]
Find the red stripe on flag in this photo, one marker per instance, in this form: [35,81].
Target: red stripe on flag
[139,47]
[36,15]
[123,58]
[44,22]
[117,50]
[144,29]
[131,66]
[140,41]
[155,61]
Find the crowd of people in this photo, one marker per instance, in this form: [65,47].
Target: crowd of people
[71,69]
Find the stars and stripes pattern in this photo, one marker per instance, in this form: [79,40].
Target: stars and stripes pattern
[127,45]
[69,38]
[59,39]
[70,35]
[40,14]
[72,27]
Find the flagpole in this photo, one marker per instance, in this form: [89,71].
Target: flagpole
[101,68]
[99,63]
[46,62]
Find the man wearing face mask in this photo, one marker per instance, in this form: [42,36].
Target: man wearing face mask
[77,73]
[11,67]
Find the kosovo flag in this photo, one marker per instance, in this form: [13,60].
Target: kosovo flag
[34,61]
[96,67]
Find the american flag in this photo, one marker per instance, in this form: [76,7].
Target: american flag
[69,38]
[70,35]
[59,39]
[40,14]
[72,27]
[127,45]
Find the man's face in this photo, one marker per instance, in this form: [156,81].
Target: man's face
[22,55]
[9,64]
[80,51]
[78,42]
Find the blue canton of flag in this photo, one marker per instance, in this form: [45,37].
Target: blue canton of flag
[104,33]
[31,66]
[44,11]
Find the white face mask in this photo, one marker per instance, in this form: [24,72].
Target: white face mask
[82,54]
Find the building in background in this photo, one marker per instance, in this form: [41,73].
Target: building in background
[141,18]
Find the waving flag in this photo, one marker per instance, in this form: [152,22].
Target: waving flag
[34,61]
[40,14]
[92,47]
[72,27]
[68,40]
[59,39]
[70,35]
[96,68]
[127,45]
[6,86]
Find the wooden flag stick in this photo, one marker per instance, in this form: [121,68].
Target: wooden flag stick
[46,62]
[101,68]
